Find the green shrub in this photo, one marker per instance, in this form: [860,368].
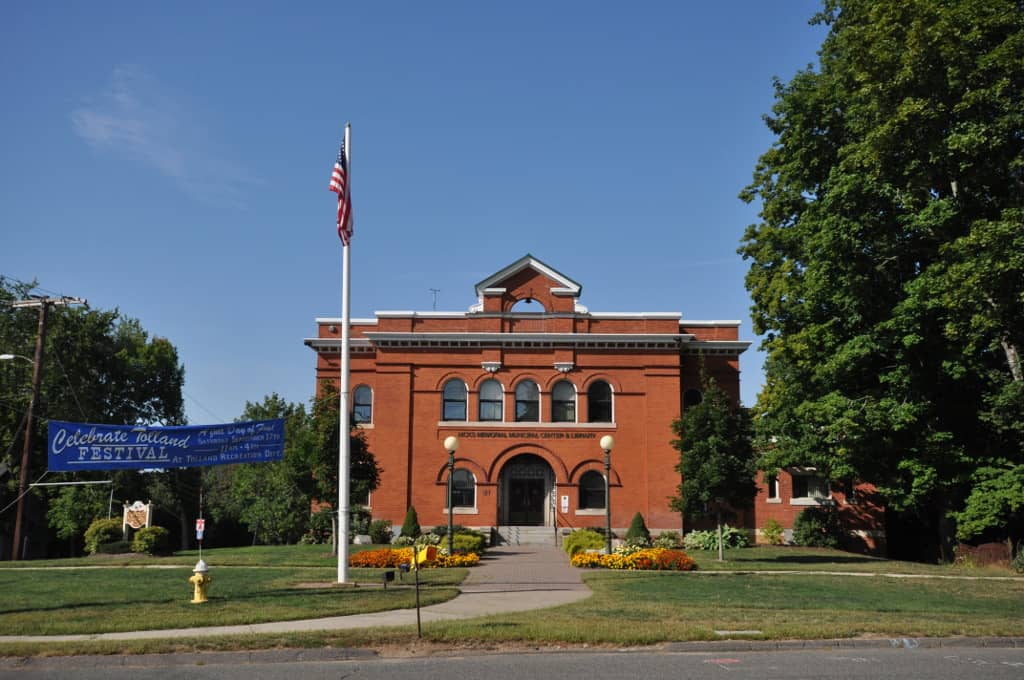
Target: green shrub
[102,531]
[708,540]
[380,531]
[468,543]
[817,527]
[320,527]
[403,541]
[359,520]
[411,525]
[152,541]
[773,532]
[668,539]
[1017,563]
[638,533]
[583,539]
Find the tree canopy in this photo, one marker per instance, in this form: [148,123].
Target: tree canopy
[99,367]
[887,271]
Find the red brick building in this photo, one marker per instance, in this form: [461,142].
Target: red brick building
[529,381]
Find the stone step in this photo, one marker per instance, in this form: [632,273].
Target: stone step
[526,535]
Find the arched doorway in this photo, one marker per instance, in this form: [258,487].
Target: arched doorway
[526,488]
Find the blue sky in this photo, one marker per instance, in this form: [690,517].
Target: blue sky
[171,160]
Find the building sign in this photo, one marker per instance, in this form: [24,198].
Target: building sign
[73,447]
[490,434]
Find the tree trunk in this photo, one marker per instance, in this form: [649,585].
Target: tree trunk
[721,546]
[1013,358]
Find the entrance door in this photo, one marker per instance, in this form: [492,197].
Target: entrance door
[526,502]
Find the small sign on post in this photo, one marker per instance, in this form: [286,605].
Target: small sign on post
[200,527]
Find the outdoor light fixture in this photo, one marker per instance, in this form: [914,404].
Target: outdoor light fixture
[607,444]
[451,444]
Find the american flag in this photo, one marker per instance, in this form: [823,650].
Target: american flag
[339,185]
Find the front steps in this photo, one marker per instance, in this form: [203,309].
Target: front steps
[525,535]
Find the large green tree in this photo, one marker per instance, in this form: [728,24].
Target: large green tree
[716,458]
[99,367]
[887,271]
[271,499]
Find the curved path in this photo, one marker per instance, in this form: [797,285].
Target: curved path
[508,579]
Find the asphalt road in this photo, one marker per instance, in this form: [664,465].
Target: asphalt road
[931,664]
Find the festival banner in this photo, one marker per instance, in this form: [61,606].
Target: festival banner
[74,447]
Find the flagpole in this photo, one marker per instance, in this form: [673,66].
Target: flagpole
[343,421]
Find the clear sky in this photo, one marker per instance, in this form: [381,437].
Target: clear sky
[171,160]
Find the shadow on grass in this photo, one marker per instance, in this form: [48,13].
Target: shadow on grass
[808,559]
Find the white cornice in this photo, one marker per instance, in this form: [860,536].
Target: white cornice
[732,323]
[686,343]
[328,320]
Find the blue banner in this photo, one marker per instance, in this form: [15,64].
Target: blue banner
[73,447]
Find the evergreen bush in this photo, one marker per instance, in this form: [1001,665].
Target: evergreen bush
[638,533]
[411,525]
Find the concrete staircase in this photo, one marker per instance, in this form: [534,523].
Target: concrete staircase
[529,535]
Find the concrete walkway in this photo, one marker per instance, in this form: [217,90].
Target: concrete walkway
[508,579]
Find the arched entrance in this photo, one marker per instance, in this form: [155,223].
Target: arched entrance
[526,492]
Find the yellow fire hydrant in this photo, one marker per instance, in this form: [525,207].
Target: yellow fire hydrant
[201,580]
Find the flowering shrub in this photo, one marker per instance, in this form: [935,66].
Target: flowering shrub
[633,559]
[390,558]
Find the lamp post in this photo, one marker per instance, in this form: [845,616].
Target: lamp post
[608,443]
[37,376]
[451,444]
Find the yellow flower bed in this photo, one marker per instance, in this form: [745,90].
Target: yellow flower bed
[637,560]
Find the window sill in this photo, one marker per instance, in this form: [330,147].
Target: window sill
[364,426]
[462,511]
[773,500]
[595,512]
[811,501]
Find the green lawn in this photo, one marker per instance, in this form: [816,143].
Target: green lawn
[627,608]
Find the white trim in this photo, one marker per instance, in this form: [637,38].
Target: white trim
[513,425]
[711,324]
[327,321]
[590,512]
[636,315]
[529,261]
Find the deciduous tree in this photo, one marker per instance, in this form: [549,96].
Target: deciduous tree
[887,271]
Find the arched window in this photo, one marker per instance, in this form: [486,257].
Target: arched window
[592,491]
[527,402]
[599,402]
[463,489]
[362,405]
[692,397]
[563,402]
[491,397]
[454,397]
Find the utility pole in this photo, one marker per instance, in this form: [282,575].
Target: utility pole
[435,291]
[44,304]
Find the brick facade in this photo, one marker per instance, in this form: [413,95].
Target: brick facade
[528,326]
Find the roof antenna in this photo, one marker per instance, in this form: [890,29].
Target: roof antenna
[435,291]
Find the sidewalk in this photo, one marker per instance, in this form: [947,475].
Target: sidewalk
[508,579]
